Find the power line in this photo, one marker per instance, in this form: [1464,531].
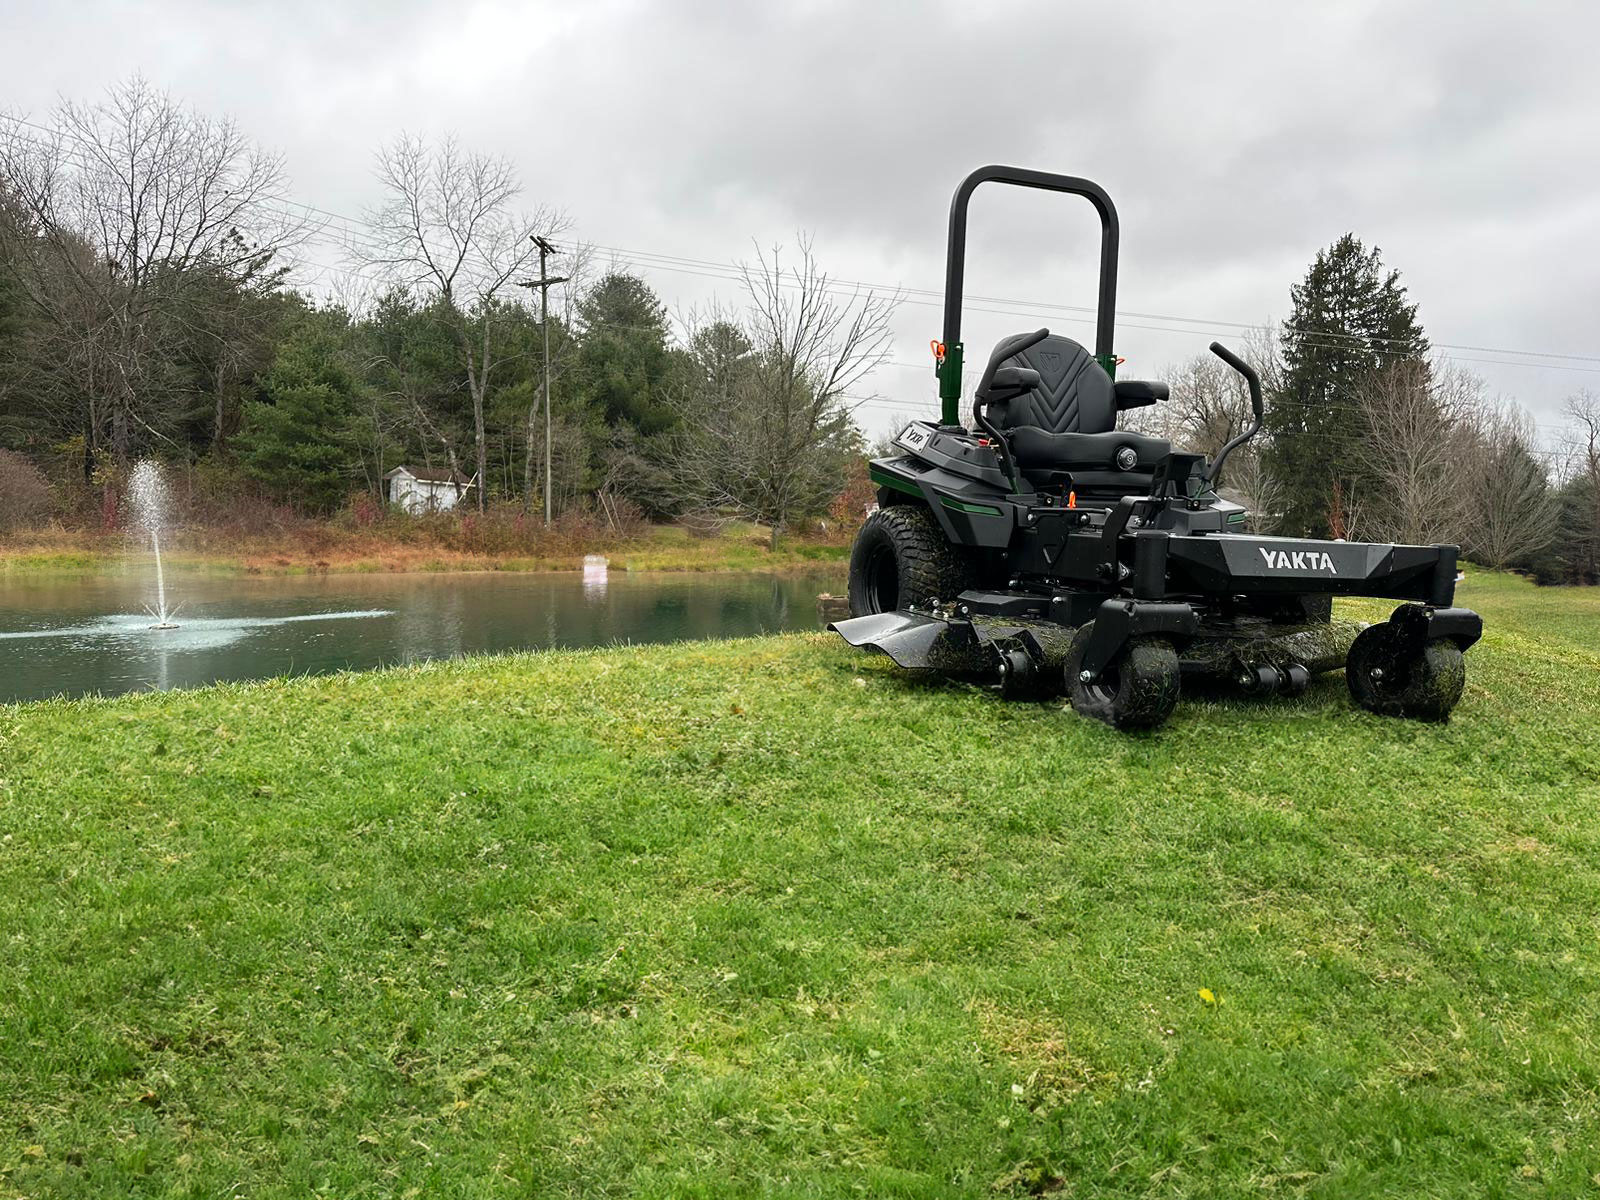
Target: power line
[1035,307]
[991,305]
[1328,339]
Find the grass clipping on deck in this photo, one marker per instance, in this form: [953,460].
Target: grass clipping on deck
[771,917]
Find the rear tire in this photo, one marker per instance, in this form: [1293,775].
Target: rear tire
[1137,690]
[1388,674]
[901,557]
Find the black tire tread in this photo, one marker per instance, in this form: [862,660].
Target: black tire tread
[1424,684]
[1148,683]
[929,565]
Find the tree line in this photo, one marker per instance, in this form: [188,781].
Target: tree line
[1370,435]
[146,309]
[147,260]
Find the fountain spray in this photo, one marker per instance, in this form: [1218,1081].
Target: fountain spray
[147,488]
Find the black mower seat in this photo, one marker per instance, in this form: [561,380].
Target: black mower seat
[1069,422]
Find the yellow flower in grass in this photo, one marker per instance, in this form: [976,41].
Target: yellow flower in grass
[1208,996]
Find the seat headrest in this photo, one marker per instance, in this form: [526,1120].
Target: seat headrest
[1074,393]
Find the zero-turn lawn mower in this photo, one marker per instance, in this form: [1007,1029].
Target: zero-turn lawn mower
[1044,549]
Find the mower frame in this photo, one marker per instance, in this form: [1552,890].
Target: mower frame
[1169,565]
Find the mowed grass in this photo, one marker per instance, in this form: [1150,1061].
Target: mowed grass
[767,917]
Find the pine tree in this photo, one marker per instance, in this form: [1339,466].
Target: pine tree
[296,438]
[624,361]
[1349,318]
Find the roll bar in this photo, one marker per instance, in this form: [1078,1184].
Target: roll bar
[949,368]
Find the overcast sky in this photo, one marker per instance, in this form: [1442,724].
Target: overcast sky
[1236,139]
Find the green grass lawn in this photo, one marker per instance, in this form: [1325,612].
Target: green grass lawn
[766,917]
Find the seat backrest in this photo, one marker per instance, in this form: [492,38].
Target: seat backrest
[1074,393]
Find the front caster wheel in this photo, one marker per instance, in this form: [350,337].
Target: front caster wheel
[1137,690]
[1021,678]
[1390,674]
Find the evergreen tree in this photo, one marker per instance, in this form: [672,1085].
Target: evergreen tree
[416,404]
[296,438]
[1572,556]
[1349,318]
[624,361]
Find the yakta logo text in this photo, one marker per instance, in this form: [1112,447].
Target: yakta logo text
[1298,560]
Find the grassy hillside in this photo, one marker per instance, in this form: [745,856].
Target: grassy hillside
[769,917]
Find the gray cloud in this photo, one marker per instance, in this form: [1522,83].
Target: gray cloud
[1238,138]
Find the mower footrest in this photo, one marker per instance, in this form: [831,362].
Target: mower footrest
[915,641]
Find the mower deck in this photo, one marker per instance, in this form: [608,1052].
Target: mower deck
[1254,657]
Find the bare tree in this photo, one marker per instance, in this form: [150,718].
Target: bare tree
[768,426]
[130,207]
[1209,403]
[447,226]
[1508,513]
[885,446]
[1415,443]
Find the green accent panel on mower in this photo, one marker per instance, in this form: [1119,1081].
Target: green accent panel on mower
[1109,362]
[884,479]
[983,510]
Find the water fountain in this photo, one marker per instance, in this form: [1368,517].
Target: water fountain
[124,650]
[147,489]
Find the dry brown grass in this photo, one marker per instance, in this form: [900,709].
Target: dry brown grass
[1035,1046]
[492,542]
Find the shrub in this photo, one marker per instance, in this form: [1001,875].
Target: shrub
[24,492]
[849,507]
[365,510]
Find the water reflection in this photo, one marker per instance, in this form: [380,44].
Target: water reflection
[596,574]
[55,637]
[195,633]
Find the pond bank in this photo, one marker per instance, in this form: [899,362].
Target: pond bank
[327,550]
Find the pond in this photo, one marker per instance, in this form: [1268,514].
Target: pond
[79,635]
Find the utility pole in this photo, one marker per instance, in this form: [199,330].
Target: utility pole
[544,283]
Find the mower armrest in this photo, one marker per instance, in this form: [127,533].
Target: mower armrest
[1137,393]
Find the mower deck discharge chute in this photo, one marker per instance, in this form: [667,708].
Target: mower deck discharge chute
[1046,550]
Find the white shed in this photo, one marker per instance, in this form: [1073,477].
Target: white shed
[423,489]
